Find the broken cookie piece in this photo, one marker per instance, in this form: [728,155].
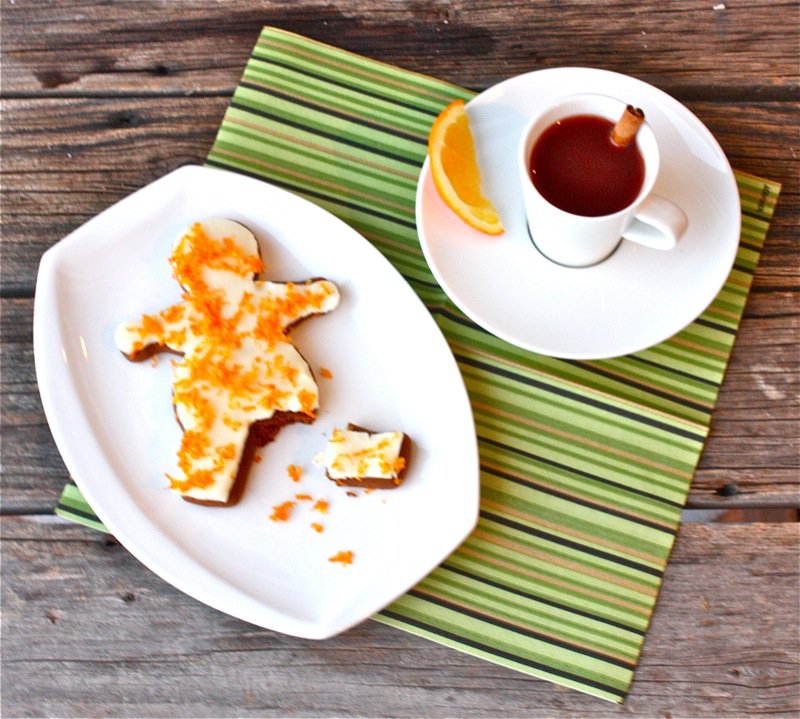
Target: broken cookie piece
[357,457]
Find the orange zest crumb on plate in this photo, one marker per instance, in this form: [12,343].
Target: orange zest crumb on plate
[295,472]
[280,512]
[342,557]
[303,497]
[317,527]
[326,373]
[321,506]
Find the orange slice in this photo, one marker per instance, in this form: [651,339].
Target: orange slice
[454,167]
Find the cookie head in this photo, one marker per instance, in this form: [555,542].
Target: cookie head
[215,255]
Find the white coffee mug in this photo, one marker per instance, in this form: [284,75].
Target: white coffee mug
[579,240]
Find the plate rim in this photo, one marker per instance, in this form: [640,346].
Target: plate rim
[50,371]
[476,316]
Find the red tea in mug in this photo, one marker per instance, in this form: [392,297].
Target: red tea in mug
[576,167]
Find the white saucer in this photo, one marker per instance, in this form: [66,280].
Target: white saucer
[635,299]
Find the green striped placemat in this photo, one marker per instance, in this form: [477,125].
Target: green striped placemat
[585,466]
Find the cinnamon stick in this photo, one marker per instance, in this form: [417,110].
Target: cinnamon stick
[627,126]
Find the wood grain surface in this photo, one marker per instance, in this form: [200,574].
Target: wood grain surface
[100,98]
[87,633]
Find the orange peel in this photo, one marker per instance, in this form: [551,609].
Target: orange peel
[455,171]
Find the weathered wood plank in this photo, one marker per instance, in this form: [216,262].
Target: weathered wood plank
[754,443]
[186,46]
[80,612]
[65,161]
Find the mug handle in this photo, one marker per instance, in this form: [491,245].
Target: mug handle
[658,224]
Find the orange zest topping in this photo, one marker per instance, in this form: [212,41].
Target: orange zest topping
[225,319]
[199,479]
[377,455]
[342,557]
[194,252]
[227,452]
[317,527]
[321,506]
[455,171]
[308,401]
[303,497]
[283,368]
[326,373]
[173,314]
[176,338]
[234,424]
[194,444]
[151,325]
[295,472]
[280,512]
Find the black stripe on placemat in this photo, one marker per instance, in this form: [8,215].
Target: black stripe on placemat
[426,283]
[634,384]
[579,472]
[525,631]
[313,193]
[750,246]
[346,86]
[715,326]
[666,368]
[591,367]
[377,127]
[578,500]
[501,654]
[574,396]
[78,512]
[746,270]
[540,599]
[585,549]
[462,320]
[327,135]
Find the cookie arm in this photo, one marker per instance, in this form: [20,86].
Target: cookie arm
[295,301]
[152,334]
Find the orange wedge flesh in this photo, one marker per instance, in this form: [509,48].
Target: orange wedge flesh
[455,171]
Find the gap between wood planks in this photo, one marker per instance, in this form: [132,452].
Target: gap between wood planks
[755,93]
[741,515]
[761,515]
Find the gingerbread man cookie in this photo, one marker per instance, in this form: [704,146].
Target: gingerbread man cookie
[239,378]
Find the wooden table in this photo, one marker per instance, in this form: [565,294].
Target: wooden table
[101,98]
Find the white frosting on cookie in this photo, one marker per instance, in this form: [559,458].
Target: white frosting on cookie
[238,365]
[355,454]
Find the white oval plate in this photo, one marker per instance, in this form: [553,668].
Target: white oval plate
[635,299]
[113,420]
